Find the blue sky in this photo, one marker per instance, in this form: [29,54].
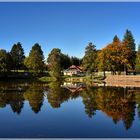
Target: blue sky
[68,26]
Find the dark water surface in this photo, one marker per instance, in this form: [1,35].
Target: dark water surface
[68,111]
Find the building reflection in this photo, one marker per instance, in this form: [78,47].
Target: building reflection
[74,87]
[57,95]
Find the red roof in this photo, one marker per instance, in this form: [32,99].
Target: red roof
[73,67]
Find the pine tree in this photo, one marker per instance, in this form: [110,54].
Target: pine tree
[129,40]
[17,54]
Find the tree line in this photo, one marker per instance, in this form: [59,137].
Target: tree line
[16,60]
[117,56]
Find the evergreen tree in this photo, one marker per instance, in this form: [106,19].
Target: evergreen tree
[129,40]
[17,54]
[89,60]
[3,61]
[75,61]
[9,61]
[138,59]
[116,39]
[54,60]
[35,60]
[65,61]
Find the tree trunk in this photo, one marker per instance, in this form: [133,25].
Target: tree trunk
[104,74]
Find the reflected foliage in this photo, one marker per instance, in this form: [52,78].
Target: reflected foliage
[14,99]
[137,99]
[119,104]
[57,95]
[35,98]
[89,100]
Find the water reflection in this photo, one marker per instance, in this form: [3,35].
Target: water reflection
[57,95]
[35,97]
[14,98]
[117,103]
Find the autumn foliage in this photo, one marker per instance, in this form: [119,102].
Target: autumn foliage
[114,57]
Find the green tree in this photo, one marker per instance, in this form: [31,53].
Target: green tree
[17,54]
[89,59]
[54,60]
[138,59]
[35,60]
[75,61]
[3,61]
[129,40]
[65,61]
[9,61]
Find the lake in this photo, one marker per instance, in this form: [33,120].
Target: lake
[68,110]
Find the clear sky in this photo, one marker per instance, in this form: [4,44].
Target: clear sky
[68,26]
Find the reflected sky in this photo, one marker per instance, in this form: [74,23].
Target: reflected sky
[53,111]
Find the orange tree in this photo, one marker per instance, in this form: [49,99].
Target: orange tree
[114,57]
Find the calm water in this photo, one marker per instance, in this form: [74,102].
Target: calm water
[68,111]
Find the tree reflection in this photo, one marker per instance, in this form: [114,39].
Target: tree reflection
[117,103]
[35,97]
[57,95]
[137,99]
[89,100]
[13,98]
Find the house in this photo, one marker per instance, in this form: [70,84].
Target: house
[74,70]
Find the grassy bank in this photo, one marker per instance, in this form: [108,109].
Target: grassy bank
[46,79]
[85,79]
[74,79]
